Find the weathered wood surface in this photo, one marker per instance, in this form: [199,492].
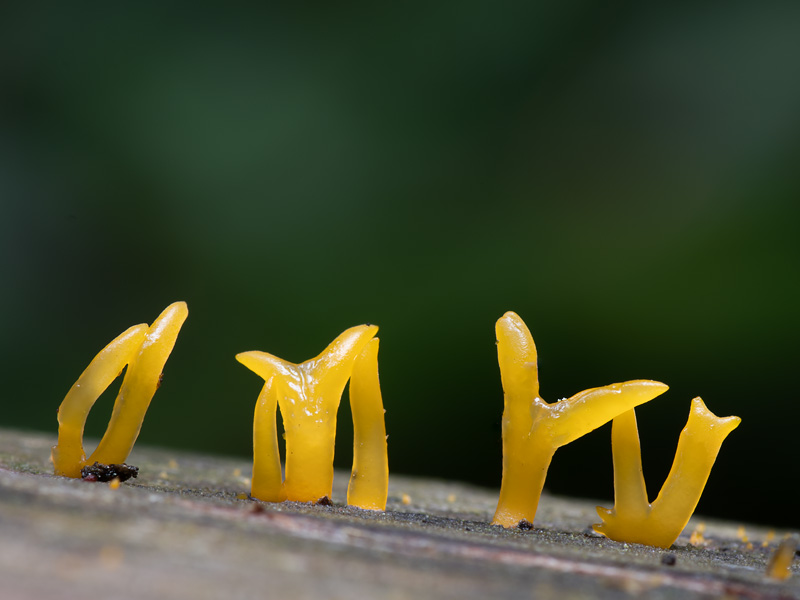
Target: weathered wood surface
[180,531]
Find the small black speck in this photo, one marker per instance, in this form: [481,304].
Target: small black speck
[324,501]
[525,525]
[669,560]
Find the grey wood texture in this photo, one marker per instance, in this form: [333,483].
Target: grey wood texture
[184,529]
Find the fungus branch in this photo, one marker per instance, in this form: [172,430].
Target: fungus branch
[308,395]
[267,481]
[145,350]
[369,479]
[533,429]
[633,519]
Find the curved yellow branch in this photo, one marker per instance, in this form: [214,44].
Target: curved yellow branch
[139,385]
[533,429]
[267,483]
[145,350]
[68,455]
[633,519]
[369,479]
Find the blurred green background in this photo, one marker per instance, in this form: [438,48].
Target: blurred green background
[625,177]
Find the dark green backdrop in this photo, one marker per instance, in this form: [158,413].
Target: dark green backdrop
[623,177]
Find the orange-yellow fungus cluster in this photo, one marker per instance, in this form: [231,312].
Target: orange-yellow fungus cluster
[533,429]
[308,395]
[633,518]
[145,351]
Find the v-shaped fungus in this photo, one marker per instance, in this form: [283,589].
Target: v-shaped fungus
[145,350]
[308,395]
[533,429]
[633,519]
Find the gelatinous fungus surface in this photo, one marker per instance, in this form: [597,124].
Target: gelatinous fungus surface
[633,518]
[308,395]
[145,351]
[369,478]
[779,565]
[533,429]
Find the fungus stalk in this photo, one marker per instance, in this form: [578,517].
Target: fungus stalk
[267,482]
[308,395]
[633,518]
[369,479]
[780,563]
[533,429]
[145,350]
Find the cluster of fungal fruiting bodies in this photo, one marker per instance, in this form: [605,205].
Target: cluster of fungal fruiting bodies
[308,396]
[533,430]
[145,351]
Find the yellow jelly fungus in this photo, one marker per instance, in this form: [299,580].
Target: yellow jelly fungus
[534,429]
[145,350]
[742,535]
[308,395]
[633,519]
[780,563]
[768,538]
[369,479]
[697,539]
